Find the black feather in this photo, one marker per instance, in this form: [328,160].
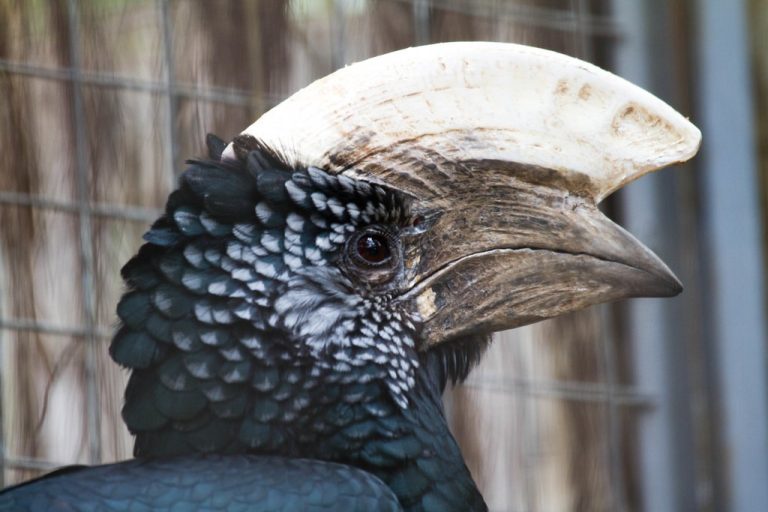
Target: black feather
[453,360]
[163,235]
[134,349]
[178,405]
[137,273]
[174,375]
[216,146]
[265,158]
[139,411]
[133,309]
[227,193]
[270,181]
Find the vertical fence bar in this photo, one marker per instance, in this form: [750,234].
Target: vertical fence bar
[3,453]
[607,353]
[737,287]
[607,365]
[338,24]
[530,422]
[650,207]
[579,14]
[421,21]
[170,85]
[86,238]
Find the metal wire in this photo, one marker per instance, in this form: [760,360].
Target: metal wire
[170,83]
[26,325]
[577,20]
[132,213]
[180,90]
[529,15]
[86,239]
[3,460]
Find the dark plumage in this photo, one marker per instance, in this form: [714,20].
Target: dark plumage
[249,329]
[213,483]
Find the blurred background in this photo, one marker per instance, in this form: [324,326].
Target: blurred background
[647,405]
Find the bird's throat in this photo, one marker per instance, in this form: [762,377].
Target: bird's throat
[411,449]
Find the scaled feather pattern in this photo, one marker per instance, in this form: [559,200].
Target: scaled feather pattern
[246,333]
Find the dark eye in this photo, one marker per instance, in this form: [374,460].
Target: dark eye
[372,255]
[373,248]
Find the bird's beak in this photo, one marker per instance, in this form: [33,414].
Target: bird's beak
[514,253]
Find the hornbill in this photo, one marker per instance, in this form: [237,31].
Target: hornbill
[312,287]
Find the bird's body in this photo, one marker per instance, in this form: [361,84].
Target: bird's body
[285,322]
[210,483]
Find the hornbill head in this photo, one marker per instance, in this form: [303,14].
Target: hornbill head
[414,202]
[497,156]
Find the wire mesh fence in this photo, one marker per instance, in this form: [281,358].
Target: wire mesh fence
[102,103]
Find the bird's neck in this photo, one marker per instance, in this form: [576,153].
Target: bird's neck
[357,422]
[434,476]
[411,448]
[300,410]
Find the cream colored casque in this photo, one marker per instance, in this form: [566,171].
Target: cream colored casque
[480,101]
